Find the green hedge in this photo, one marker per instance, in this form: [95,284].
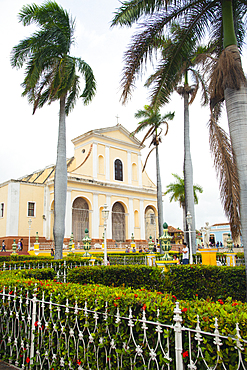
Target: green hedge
[216,282]
[185,282]
[133,276]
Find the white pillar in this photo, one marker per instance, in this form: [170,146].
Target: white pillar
[107,163]
[46,213]
[12,224]
[142,219]
[95,217]
[131,218]
[140,170]
[95,161]
[109,221]
[129,168]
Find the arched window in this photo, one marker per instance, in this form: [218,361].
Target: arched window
[136,217]
[118,170]
[134,172]
[101,165]
[80,218]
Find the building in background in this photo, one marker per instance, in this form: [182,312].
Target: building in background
[106,169]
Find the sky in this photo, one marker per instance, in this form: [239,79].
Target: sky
[29,142]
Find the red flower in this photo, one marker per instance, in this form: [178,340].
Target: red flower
[220,301]
[115,304]
[144,307]
[78,362]
[184,309]
[185,354]
[36,323]
[234,304]
[11,292]
[136,296]
[28,360]
[174,297]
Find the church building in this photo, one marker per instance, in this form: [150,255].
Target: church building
[106,169]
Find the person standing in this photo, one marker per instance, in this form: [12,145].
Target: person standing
[185,252]
[3,247]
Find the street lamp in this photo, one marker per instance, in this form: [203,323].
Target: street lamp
[105,214]
[189,223]
[29,228]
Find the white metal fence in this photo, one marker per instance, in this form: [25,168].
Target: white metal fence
[42,334]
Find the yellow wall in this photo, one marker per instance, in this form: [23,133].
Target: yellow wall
[31,193]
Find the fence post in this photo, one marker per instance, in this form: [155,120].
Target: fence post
[178,337]
[34,302]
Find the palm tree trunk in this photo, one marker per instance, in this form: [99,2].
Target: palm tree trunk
[188,174]
[159,194]
[236,107]
[60,184]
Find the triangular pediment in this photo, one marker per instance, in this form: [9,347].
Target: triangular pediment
[116,133]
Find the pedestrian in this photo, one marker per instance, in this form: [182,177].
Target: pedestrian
[19,245]
[3,247]
[185,252]
[52,252]
[108,261]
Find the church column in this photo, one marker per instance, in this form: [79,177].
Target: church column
[68,216]
[129,168]
[107,163]
[46,213]
[109,221]
[131,219]
[142,219]
[13,206]
[140,170]
[95,161]
[95,217]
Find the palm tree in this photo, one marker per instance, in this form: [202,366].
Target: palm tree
[153,121]
[196,18]
[177,192]
[52,74]
[166,79]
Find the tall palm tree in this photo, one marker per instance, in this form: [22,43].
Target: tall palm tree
[177,192]
[52,74]
[152,122]
[167,78]
[224,20]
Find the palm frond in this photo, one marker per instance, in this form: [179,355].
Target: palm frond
[132,10]
[226,170]
[143,169]
[226,73]
[90,82]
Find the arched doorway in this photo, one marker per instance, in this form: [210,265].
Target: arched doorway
[118,222]
[150,223]
[80,218]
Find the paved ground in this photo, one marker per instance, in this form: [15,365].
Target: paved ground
[5,366]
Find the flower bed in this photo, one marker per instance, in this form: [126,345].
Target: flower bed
[156,305]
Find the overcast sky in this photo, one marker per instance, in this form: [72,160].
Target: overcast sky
[28,143]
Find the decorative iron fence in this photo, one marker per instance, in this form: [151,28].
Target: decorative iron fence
[45,335]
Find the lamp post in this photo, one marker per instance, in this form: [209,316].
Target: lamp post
[29,229]
[189,222]
[105,214]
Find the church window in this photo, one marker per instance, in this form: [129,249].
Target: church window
[101,165]
[2,210]
[134,172]
[118,170]
[31,209]
[136,217]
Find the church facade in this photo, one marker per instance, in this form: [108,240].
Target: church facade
[106,169]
